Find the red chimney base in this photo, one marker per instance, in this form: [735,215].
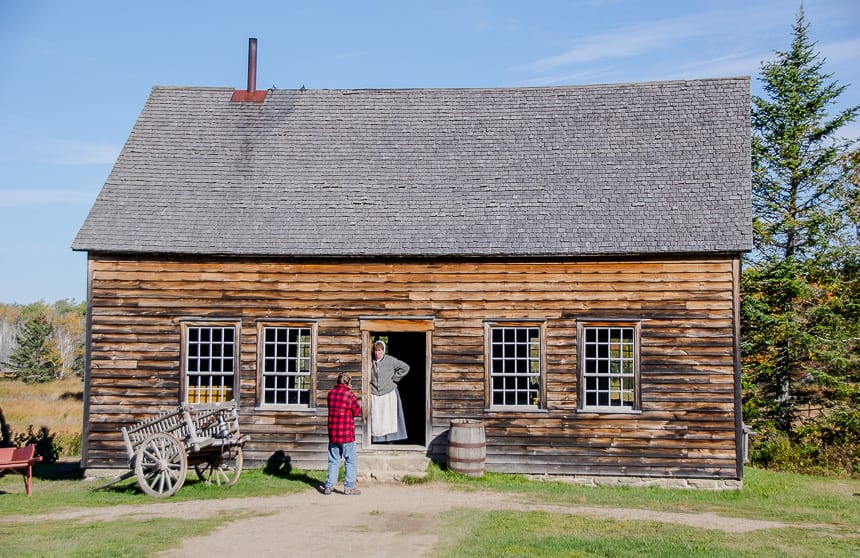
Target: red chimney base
[241,96]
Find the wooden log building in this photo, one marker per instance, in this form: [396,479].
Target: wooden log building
[560,263]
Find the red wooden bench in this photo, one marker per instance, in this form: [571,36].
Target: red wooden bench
[21,460]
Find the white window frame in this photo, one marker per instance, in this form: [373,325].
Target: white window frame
[505,360]
[608,356]
[296,363]
[210,362]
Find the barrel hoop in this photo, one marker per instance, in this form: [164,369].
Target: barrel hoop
[466,444]
[461,460]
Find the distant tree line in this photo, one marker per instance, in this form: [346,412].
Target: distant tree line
[41,342]
[801,284]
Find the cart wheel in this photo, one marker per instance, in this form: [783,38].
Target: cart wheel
[224,469]
[160,465]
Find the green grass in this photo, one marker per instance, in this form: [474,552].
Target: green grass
[52,495]
[823,517]
[766,495]
[141,537]
[539,534]
[828,511]
[138,538]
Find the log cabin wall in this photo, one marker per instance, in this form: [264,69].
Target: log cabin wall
[686,425]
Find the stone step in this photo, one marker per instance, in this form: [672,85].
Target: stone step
[391,466]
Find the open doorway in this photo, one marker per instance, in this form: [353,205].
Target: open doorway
[411,348]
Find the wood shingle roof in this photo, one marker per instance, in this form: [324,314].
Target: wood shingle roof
[623,169]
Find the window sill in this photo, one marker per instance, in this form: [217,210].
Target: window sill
[303,409]
[514,409]
[609,411]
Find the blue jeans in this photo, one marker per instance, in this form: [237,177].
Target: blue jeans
[336,452]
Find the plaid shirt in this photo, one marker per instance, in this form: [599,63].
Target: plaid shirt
[342,407]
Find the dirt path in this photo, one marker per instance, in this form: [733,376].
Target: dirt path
[386,520]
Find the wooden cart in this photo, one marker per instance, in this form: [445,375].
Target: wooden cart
[206,436]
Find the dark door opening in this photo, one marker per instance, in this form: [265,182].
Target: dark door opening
[411,348]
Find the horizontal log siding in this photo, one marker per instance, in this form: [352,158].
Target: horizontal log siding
[686,427]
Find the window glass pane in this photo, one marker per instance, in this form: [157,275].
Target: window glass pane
[209,363]
[515,366]
[609,366]
[287,356]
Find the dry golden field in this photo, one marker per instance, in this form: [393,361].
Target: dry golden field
[57,405]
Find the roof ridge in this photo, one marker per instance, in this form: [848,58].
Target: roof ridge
[475,89]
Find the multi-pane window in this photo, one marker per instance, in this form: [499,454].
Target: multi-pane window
[609,366]
[515,366]
[286,365]
[210,363]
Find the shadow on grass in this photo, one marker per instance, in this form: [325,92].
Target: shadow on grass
[59,470]
[279,465]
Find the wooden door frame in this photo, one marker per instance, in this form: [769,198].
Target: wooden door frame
[394,324]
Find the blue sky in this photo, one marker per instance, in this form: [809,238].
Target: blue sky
[75,75]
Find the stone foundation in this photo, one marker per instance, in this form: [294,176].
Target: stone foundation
[641,482]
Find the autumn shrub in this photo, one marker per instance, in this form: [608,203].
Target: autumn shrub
[68,443]
[56,405]
[42,439]
[834,441]
[774,452]
[828,446]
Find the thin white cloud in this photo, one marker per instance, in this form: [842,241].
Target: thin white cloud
[623,43]
[841,52]
[589,77]
[58,152]
[601,3]
[718,27]
[65,152]
[33,197]
[725,66]
[483,24]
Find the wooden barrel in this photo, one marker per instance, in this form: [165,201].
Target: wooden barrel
[467,447]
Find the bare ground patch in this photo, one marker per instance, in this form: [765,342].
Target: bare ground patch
[386,520]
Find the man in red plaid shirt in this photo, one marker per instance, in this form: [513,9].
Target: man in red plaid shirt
[343,407]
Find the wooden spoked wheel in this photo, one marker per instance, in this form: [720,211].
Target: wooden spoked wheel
[223,469]
[161,465]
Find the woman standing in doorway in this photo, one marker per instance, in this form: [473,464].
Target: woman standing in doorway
[386,411]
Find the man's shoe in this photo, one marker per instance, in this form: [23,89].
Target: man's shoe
[327,490]
[352,492]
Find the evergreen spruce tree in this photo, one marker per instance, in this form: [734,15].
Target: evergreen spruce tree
[793,318]
[798,172]
[34,360]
